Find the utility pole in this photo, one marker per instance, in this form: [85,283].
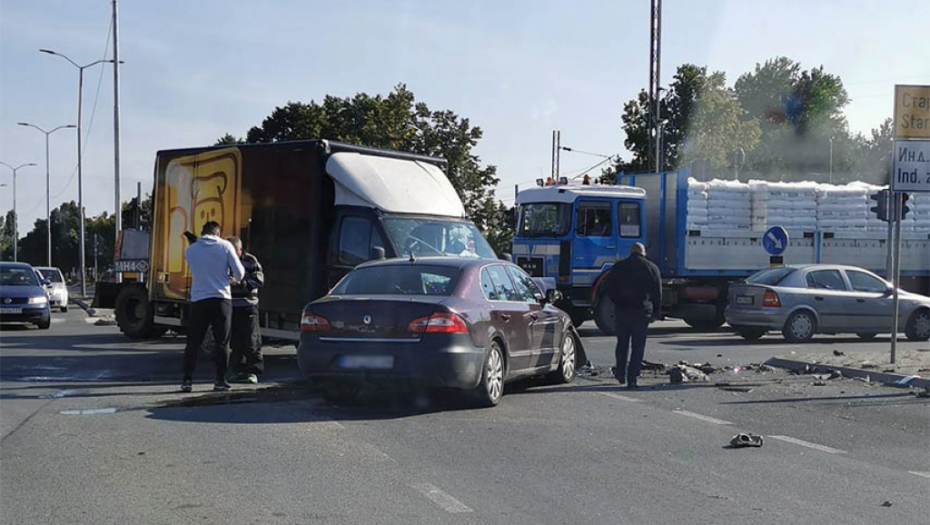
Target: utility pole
[556,158]
[48,200]
[116,134]
[655,76]
[15,215]
[81,254]
[898,206]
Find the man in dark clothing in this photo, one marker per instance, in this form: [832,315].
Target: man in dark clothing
[246,362]
[635,287]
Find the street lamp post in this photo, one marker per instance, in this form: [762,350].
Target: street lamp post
[48,203]
[15,216]
[80,69]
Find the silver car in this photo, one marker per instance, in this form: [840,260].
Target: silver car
[57,287]
[805,300]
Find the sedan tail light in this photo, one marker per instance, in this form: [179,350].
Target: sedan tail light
[771,299]
[440,322]
[313,323]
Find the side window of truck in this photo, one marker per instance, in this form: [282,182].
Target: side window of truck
[628,219]
[593,219]
[357,237]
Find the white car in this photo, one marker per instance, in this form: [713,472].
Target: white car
[57,289]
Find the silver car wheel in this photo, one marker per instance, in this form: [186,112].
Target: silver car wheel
[802,326]
[568,358]
[495,374]
[922,325]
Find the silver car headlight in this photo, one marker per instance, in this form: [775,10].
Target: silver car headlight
[40,299]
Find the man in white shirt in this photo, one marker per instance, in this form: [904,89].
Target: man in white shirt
[214,265]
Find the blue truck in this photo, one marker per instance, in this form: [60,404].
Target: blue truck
[570,235]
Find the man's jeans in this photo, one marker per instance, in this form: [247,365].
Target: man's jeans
[631,327]
[208,314]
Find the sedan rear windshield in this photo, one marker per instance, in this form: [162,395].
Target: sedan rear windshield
[770,277]
[399,280]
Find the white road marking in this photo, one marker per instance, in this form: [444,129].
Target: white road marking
[620,397]
[56,320]
[445,501]
[702,418]
[88,412]
[921,474]
[808,444]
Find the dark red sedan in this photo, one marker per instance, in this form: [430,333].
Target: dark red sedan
[467,324]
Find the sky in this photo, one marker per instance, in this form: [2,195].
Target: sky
[197,69]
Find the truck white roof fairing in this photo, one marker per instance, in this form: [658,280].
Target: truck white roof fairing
[571,193]
[393,185]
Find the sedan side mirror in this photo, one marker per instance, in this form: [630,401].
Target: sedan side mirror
[46,283]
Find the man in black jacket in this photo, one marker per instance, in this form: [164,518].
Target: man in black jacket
[635,287]
[246,362]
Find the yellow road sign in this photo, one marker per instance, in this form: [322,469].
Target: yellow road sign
[911,112]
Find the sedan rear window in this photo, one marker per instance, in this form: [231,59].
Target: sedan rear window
[399,280]
[771,276]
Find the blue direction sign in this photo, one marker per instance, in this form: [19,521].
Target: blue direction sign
[775,240]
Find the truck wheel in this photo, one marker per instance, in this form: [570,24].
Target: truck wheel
[605,316]
[135,315]
[918,326]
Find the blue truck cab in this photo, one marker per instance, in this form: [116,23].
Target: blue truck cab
[570,235]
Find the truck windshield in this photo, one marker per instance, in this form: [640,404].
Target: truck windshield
[430,237]
[544,219]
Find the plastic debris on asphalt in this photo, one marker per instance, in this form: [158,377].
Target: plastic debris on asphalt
[681,373]
[744,439]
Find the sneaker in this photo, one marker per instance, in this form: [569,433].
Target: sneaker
[186,386]
[251,379]
[222,386]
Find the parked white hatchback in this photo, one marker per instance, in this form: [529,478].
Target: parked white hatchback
[57,289]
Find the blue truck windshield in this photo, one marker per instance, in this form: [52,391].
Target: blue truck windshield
[544,219]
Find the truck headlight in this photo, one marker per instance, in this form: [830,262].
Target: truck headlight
[41,299]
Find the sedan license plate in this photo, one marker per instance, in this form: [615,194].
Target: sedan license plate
[744,299]
[9,310]
[379,362]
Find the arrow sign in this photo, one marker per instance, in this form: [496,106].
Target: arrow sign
[775,240]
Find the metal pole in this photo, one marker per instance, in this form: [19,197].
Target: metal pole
[116,133]
[15,220]
[889,262]
[48,209]
[658,113]
[831,159]
[81,186]
[558,155]
[898,205]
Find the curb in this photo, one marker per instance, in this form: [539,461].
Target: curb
[880,377]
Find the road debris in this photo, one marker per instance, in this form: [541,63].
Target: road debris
[887,504]
[838,353]
[819,383]
[744,439]
[685,374]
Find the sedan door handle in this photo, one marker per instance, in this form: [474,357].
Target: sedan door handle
[818,298]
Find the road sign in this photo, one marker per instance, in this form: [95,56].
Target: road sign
[911,112]
[775,240]
[911,169]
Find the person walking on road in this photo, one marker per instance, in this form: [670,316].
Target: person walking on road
[214,265]
[635,287]
[246,362]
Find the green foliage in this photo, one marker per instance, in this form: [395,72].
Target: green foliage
[228,140]
[716,127]
[398,122]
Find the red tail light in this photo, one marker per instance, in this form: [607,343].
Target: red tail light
[313,323]
[439,322]
[771,299]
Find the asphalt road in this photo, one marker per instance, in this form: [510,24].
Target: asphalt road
[93,432]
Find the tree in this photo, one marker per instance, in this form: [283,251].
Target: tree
[6,236]
[398,122]
[716,127]
[228,140]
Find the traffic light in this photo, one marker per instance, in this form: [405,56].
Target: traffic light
[881,205]
[904,207]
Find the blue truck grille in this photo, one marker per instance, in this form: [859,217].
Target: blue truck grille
[535,266]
